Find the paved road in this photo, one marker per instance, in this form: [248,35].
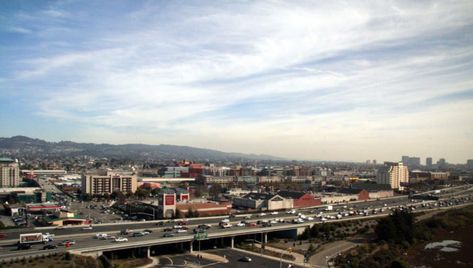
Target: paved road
[329,251]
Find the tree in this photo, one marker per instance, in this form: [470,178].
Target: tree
[119,196]
[142,193]
[215,190]
[397,228]
[86,197]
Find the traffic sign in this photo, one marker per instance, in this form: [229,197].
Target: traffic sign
[201,236]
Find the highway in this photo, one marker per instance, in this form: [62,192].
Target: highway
[85,240]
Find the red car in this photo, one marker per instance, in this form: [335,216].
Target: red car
[251,224]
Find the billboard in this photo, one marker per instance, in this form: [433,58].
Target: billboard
[169,200]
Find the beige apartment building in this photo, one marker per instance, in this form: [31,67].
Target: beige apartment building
[9,173]
[98,184]
[393,174]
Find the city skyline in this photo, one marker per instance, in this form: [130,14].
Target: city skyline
[308,80]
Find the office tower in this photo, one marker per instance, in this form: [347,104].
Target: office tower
[469,163]
[405,160]
[442,163]
[428,162]
[414,161]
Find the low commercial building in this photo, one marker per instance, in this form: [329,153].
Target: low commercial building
[263,201]
[40,208]
[375,190]
[269,179]
[203,209]
[360,194]
[301,199]
[206,179]
[333,198]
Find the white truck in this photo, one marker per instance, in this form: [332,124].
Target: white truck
[329,208]
[36,238]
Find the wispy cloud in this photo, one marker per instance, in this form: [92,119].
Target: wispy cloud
[314,80]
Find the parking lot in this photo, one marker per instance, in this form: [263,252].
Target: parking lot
[234,257]
[98,212]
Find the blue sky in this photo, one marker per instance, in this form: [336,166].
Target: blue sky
[315,80]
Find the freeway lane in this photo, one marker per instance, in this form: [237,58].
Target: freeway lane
[75,232]
[99,228]
[87,244]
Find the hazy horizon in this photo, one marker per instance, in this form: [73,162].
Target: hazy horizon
[305,80]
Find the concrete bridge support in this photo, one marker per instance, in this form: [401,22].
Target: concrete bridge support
[232,242]
[191,248]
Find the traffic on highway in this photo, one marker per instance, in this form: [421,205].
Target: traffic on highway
[107,236]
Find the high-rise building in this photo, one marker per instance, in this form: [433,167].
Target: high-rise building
[428,162]
[414,161]
[442,163]
[469,163]
[405,160]
[374,162]
[394,174]
[99,184]
[9,172]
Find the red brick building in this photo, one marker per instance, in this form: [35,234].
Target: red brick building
[301,199]
[362,194]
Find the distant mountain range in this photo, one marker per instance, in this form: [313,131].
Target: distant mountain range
[21,146]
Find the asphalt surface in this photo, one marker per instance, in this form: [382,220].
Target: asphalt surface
[232,256]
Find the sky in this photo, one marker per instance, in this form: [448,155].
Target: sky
[306,80]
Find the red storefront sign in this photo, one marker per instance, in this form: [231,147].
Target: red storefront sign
[169,200]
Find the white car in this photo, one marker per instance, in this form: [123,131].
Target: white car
[240,224]
[177,227]
[181,231]
[87,228]
[274,213]
[310,218]
[121,239]
[101,236]
[273,221]
[262,214]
